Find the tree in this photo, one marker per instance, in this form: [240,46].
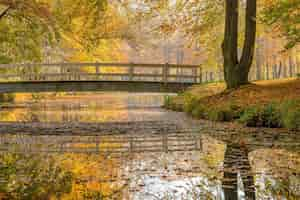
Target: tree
[33,177]
[31,30]
[236,70]
[25,27]
[202,20]
[284,17]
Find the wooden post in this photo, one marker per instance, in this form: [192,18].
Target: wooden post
[165,73]
[195,74]
[131,72]
[97,68]
[201,75]
[97,71]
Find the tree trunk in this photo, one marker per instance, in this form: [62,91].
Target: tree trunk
[267,70]
[259,59]
[297,64]
[236,72]
[291,66]
[230,54]
[284,73]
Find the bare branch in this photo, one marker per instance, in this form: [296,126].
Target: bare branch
[4,12]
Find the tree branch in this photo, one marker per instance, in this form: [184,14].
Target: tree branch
[4,12]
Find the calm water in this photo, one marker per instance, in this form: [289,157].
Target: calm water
[149,165]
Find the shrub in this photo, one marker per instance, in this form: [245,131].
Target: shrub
[236,111]
[271,116]
[190,103]
[251,117]
[221,114]
[290,114]
[292,120]
[198,112]
[266,116]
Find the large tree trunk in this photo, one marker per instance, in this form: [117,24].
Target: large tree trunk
[236,72]
[230,44]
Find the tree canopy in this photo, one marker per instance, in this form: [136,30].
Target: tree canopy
[30,27]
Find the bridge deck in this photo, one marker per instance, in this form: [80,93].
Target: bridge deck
[67,86]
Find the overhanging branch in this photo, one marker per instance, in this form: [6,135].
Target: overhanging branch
[4,12]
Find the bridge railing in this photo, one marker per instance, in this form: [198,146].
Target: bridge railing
[100,72]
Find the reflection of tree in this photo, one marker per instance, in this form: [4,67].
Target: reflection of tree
[236,162]
[32,177]
[95,176]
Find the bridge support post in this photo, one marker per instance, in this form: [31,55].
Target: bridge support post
[131,72]
[200,75]
[165,73]
[97,71]
[195,74]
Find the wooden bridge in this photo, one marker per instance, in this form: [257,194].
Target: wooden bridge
[41,77]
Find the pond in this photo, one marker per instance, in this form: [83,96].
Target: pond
[158,155]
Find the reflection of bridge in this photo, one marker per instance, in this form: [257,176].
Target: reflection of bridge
[117,144]
[109,137]
[98,77]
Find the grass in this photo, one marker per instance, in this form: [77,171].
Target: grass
[264,100]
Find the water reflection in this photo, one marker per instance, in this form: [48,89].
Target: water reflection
[237,166]
[82,107]
[189,167]
[173,164]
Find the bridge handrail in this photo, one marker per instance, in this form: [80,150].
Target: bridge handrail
[72,71]
[95,64]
